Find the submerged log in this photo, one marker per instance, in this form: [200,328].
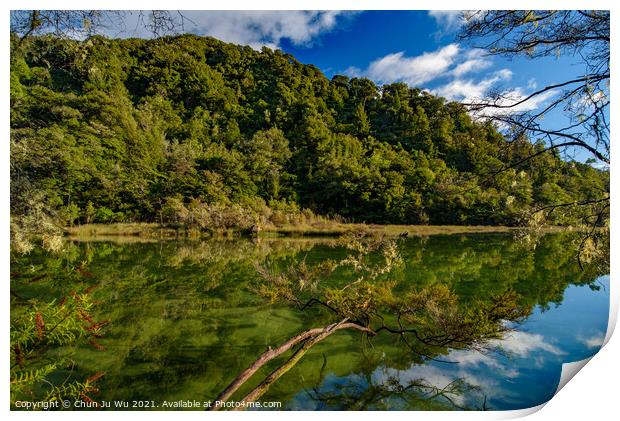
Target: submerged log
[308,338]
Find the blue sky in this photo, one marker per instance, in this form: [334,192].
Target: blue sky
[416,47]
[421,49]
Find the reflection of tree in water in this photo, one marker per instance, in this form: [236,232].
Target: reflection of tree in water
[365,392]
[428,320]
[185,318]
[376,385]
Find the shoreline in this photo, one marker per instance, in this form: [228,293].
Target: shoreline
[155,231]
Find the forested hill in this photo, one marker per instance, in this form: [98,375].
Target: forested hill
[191,129]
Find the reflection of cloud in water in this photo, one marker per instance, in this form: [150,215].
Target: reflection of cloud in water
[523,343]
[432,375]
[516,343]
[594,341]
[476,358]
[474,366]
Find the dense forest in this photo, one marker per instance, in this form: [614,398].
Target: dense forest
[191,130]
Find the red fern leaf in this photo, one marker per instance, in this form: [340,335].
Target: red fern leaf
[40,324]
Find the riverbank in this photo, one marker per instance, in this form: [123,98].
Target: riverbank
[331,229]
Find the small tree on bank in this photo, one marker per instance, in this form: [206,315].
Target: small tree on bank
[429,321]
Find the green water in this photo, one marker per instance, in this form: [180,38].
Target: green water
[185,321]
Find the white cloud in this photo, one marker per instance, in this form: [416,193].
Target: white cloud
[475,53]
[469,66]
[254,28]
[517,95]
[453,63]
[447,61]
[468,90]
[510,103]
[353,71]
[503,74]
[463,89]
[449,20]
[507,101]
[397,67]
[595,341]
[523,343]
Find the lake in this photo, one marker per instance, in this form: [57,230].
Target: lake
[185,321]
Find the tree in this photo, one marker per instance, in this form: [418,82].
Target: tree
[270,153]
[128,123]
[84,23]
[428,320]
[584,99]
[535,34]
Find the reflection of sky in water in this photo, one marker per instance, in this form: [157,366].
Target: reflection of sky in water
[528,370]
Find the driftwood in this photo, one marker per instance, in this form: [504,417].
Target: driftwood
[309,339]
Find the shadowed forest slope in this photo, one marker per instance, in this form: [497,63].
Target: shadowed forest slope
[191,130]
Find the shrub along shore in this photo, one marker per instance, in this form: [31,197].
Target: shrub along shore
[327,229]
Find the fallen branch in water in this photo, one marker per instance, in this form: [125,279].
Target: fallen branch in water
[309,339]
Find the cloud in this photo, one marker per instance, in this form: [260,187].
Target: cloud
[468,90]
[255,28]
[448,20]
[517,95]
[463,89]
[458,66]
[474,65]
[397,67]
[447,61]
[508,101]
[353,71]
[595,341]
[523,343]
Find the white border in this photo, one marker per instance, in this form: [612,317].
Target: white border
[591,395]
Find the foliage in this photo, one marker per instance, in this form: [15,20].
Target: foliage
[370,299]
[584,99]
[191,130]
[38,331]
[173,302]
[34,227]
[429,320]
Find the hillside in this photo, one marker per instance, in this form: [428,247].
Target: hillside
[191,130]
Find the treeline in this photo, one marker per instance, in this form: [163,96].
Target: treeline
[192,130]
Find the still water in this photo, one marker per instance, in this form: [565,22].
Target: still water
[185,321]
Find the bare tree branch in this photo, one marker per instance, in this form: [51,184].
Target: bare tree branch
[314,335]
[534,34]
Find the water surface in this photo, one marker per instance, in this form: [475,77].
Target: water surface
[185,322]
